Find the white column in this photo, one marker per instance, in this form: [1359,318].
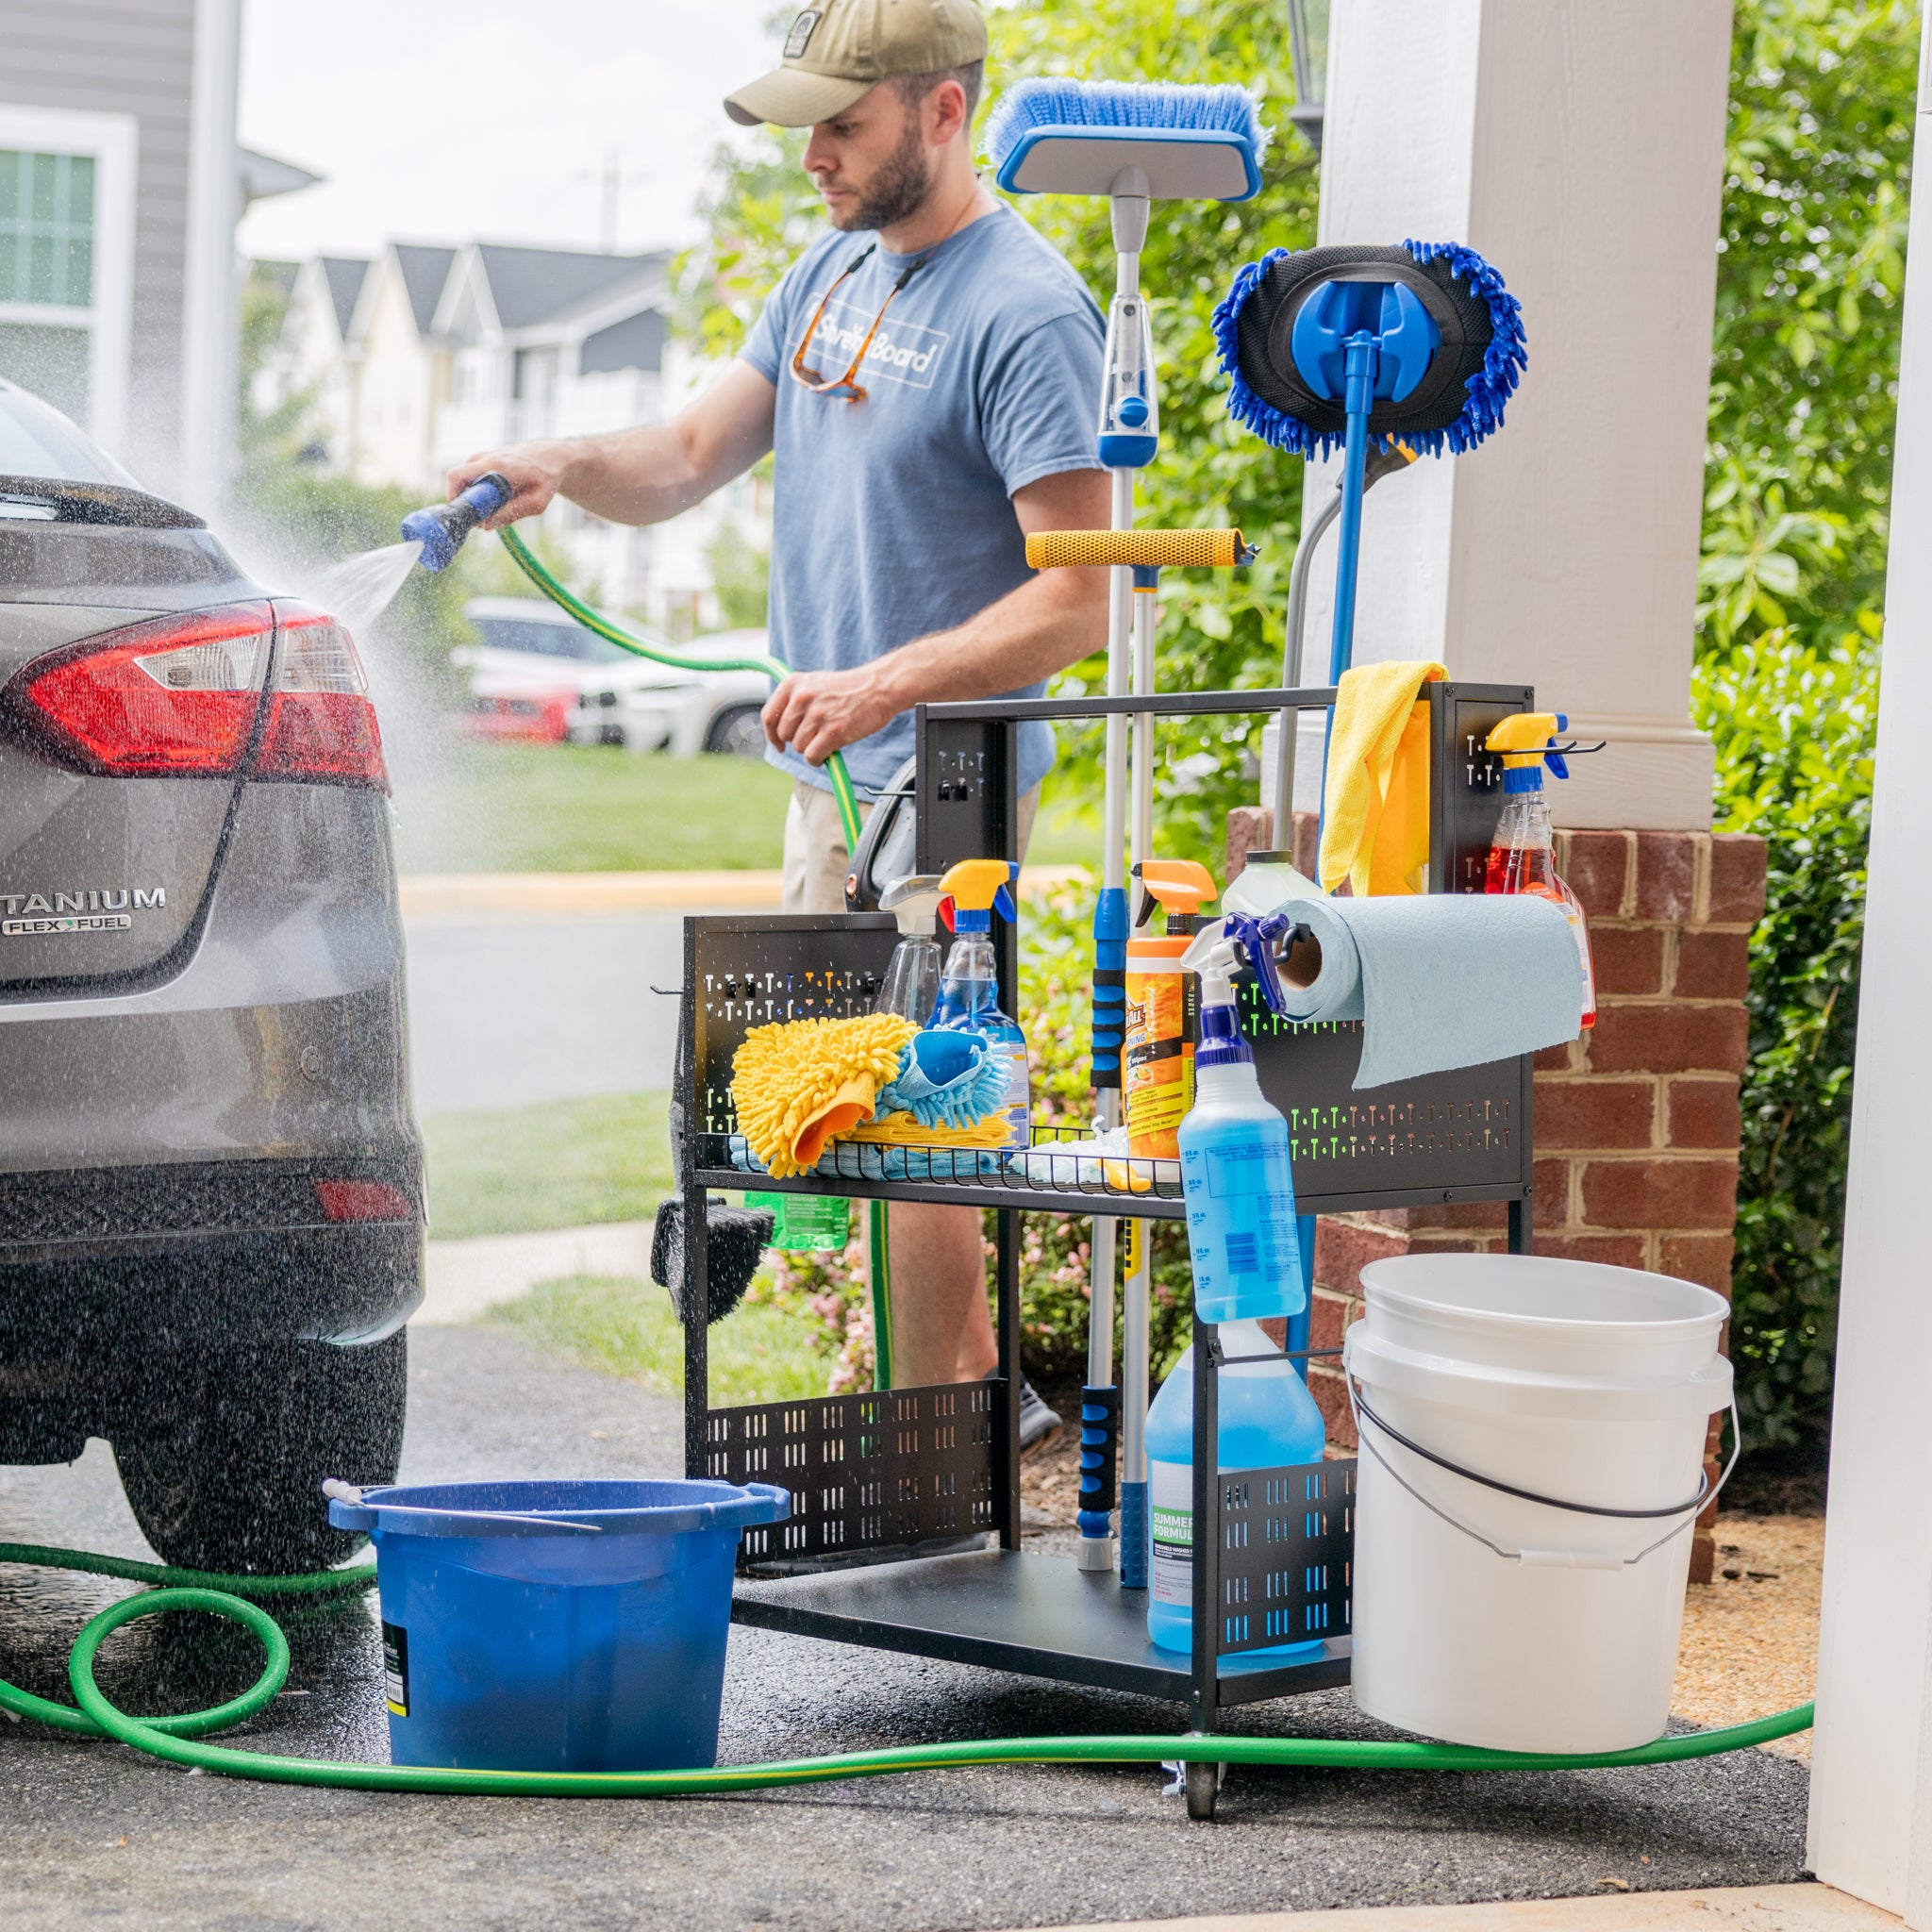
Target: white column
[1871,1758]
[1579,148]
[210,319]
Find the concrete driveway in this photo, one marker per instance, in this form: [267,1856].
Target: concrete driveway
[96,1835]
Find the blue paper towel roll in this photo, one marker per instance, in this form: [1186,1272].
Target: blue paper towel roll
[1439,980]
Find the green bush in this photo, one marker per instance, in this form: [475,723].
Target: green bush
[1805,367]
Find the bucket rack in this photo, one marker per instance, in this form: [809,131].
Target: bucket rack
[900,1471]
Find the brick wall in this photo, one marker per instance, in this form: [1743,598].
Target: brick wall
[1636,1124]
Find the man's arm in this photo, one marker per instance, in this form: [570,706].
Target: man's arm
[639,476]
[1054,619]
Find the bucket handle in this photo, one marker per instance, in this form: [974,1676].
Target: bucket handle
[348,1512]
[1568,1560]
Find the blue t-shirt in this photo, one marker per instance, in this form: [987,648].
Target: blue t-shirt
[893,517]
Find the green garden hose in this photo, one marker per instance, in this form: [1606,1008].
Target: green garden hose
[848,817]
[616,634]
[173,1737]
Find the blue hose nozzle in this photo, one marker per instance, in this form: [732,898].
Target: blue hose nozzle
[441,527]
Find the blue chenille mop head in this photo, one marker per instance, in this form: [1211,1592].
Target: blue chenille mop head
[1460,399]
[1073,136]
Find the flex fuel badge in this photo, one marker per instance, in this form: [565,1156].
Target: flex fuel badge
[30,914]
[395,1667]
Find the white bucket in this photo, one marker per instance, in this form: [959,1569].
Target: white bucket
[1487,1618]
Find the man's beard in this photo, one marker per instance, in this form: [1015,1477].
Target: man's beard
[898,189]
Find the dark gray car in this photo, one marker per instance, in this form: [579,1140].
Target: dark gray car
[210,1181]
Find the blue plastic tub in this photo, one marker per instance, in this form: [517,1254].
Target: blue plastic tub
[556,1625]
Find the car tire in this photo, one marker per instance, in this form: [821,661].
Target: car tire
[224,1463]
[737,733]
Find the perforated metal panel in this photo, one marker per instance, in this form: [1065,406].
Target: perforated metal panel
[751,971]
[1464,1128]
[865,1472]
[1287,1554]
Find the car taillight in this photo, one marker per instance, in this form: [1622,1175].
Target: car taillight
[321,724]
[363,1201]
[174,696]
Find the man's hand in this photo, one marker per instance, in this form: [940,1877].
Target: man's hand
[535,472]
[817,712]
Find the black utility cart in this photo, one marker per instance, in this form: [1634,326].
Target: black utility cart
[903,1467]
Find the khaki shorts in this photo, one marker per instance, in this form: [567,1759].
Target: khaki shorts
[816,860]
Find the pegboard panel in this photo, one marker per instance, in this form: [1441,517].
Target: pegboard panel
[750,971]
[1287,1554]
[1468,1127]
[865,1472]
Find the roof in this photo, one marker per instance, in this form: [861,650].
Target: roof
[424,270]
[344,275]
[263,176]
[529,286]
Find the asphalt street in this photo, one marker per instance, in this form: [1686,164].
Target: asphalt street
[97,1835]
[510,1010]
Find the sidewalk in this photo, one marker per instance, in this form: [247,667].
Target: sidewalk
[1750,1908]
[463,1279]
[427,895]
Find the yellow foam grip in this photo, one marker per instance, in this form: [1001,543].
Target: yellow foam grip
[1057,549]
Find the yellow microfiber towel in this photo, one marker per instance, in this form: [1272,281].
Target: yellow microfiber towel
[1375,817]
[799,1083]
[903,1129]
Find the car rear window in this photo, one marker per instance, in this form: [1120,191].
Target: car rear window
[39,441]
[547,640]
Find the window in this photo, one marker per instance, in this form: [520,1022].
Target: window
[66,260]
[46,228]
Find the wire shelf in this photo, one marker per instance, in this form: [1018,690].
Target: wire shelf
[1061,1167]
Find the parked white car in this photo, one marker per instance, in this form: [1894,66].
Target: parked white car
[621,698]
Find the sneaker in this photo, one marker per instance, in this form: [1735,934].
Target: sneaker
[1038,1423]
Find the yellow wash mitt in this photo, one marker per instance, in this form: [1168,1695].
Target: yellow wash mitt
[800,1083]
[1375,820]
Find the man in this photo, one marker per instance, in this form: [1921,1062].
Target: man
[928,375]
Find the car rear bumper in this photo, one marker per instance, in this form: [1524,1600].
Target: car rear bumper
[98,1264]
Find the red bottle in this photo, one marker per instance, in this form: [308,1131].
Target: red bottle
[1523,856]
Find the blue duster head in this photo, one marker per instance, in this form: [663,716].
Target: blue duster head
[1447,395]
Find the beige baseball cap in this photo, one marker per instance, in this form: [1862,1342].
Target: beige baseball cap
[841,49]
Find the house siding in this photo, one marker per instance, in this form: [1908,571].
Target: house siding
[126,57]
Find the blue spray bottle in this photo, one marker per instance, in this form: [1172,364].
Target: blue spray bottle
[1234,1172]
[974,890]
[1247,1263]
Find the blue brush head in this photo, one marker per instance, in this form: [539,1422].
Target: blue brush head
[1459,402]
[1071,137]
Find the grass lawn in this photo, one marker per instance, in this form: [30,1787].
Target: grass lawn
[570,808]
[626,1328]
[573,807]
[566,1163]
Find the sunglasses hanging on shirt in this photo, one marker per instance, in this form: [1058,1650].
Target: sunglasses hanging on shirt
[847,388]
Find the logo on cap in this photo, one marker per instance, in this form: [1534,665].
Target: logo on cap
[800,36]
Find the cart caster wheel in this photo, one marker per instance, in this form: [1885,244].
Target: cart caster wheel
[1204,1785]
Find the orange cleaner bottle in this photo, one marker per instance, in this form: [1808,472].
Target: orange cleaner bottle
[1523,856]
[1163,1005]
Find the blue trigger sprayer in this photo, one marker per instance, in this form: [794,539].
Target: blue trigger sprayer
[441,527]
